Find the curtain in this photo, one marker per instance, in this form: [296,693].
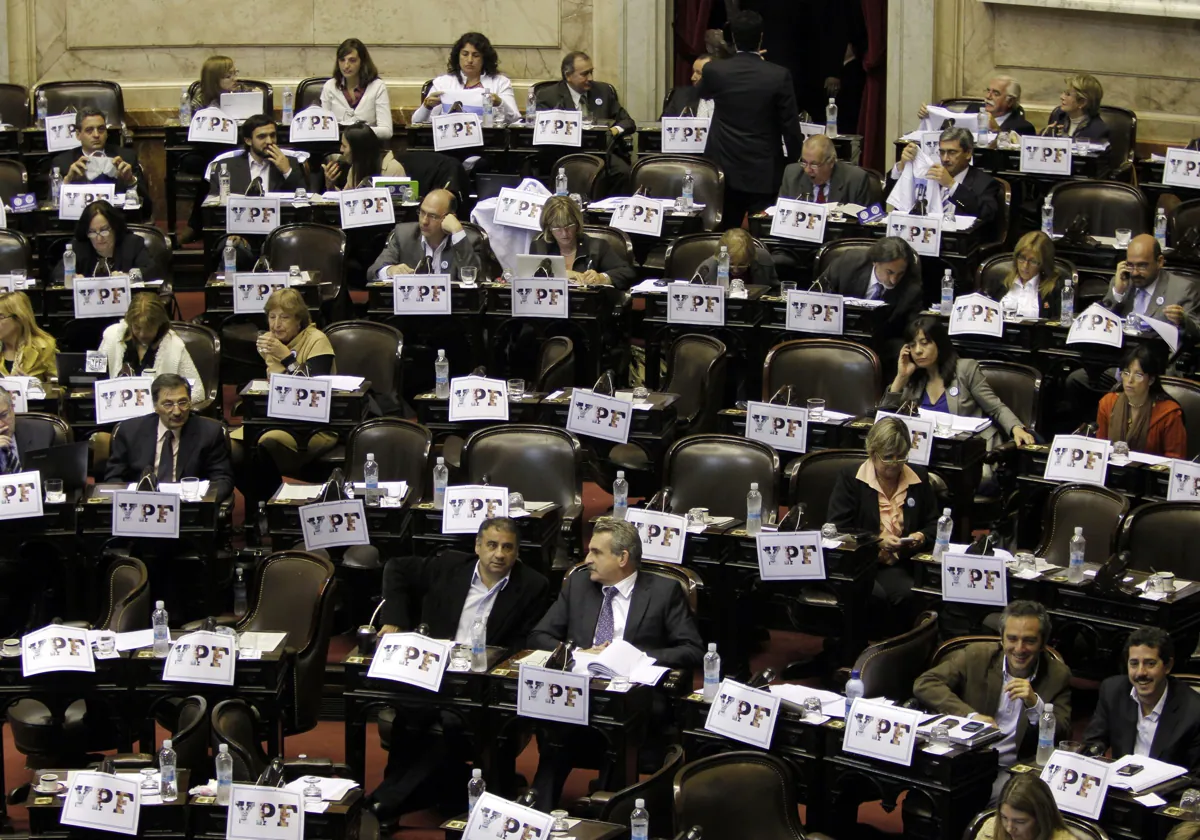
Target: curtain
[871,118]
[691,21]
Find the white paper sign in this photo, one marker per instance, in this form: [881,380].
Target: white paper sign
[558,128]
[251,290]
[21,495]
[56,647]
[61,133]
[327,524]
[421,294]
[73,198]
[6,280]
[520,209]
[412,659]
[808,129]
[1077,458]
[976,314]
[16,392]
[663,534]
[743,714]
[599,416]
[478,398]
[299,398]
[103,801]
[254,214]
[313,125]
[553,695]
[264,813]
[456,131]
[923,233]
[137,513]
[790,555]
[468,505]
[123,398]
[684,135]
[1079,783]
[876,730]
[781,427]
[365,207]
[974,579]
[1184,484]
[922,436]
[539,297]
[815,312]
[101,297]
[1046,155]
[689,303]
[494,818]
[801,220]
[202,657]
[1097,325]
[1182,168]
[212,125]
[637,214]
[1167,331]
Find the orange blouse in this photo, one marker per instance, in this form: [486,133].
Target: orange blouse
[1167,435]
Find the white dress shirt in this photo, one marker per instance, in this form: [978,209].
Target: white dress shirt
[260,169]
[705,109]
[437,265]
[1008,714]
[479,603]
[620,606]
[498,84]
[162,432]
[374,108]
[1026,296]
[1147,723]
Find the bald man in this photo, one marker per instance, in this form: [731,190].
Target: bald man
[686,101]
[821,177]
[436,240]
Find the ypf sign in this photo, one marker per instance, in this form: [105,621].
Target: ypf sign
[744,714]
[558,128]
[412,659]
[61,133]
[1046,155]
[141,514]
[1182,169]
[640,215]
[73,198]
[546,694]
[781,427]
[688,303]
[520,209]
[923,233]
[662,534]
[800,220]
[921,431]
[365,207]
[264,813]
[56,647]
[101,297]
[456,131]
[1078,783]
[328,524]
[976,314]
[421,294]
[684,135]
[123,398]
[599,416]
[1077,458]
[299,398]
[815,312]
[250,290]
[877,730]
[1097,325]
[790,555]
[313,125]
[252,214]
[21,495]
[202,657]
[974,579]
[478,398]
[1184,482]
[212,125]
[494,818]
[539,297]
[103,801]
[468,505]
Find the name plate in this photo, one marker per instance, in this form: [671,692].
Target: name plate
[468,505]
[1184,485]
[1182,169]
[478,398]
[684,135]
[639,215]
[56,647]
[21,495]
[456,131]
[1046,155]
[520,209]
[1078,783]
[539,297]
[744,714]
[299,398]
[923,233]
[781,427]
[61,133]
[421,294]
[1097,325]
[974,579]
[815,312]
[663,534]
[558,128]
[250,290]
[253,214]
[559,696]
[803,221]
[101,297]
[103,801]
[327,524]
[123,398]
[1077,458]
[366,207]
[73,198]
[412,659]
[494,818]
[790,555]
[689,303]
[976,314]
[263,813]
[599,416]
[142,514]
[876,730]
[212,125]
[313,125]
[202,657]
[922,436]
[16,392]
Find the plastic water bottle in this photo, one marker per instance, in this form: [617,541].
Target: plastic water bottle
[831,129]
[162,633]
[1045,734]
[1160,228]
[478,645]
[69,265]
[489,111]
[1048,217]
[441,376]
[639,821]
[240,602]
[42,108]
[1068,301]
[185,107]
[371,474]
[230,258]
[289,101]
[945,525]
[712,672]
[166,768]
[1078,550]
[982,122]
[947,293]
[441,477]
[753,510]
[560,182]
[224,774]
[620,495]
[56,182]
[530,107]
[854,689]
[723,267]
[476,787]
[223,180]
[689,190]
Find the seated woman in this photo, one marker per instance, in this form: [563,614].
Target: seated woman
[362,157]
[746,262]
[1027,811]
[143,344]
[28,350]
[930,373]
[1034,282]
[1078,112]
[590,260]
[355,93]
[1138,411]
[218,75]
[104,246]
[474,64]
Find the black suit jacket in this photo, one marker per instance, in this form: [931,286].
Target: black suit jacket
[684,98]
[754,105]
[659,621]
[848,184]
[980,195]
[239,177]
[130,253]
[1177,737]
[1095,128]
[64,161]
[854,505]
[203,452]
[851,276]
[603,103]
[595,253]
[433,590]
[33,436]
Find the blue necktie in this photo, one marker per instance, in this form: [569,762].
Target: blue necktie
[875,292]
[1140,301]
[605,624]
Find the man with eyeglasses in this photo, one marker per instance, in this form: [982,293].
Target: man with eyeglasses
[1002,101]
[971,191]
[93,163]
[821,177]
[171,442]
[436,244]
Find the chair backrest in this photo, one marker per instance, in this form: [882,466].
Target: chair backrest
[14,178]
[1018,386]
[481,244]
[234,723]
[61,429]
[1108,205]
[999,228]
[401,449]
[14,105]
[585,174]
[845,373]
[889,668]
[15,251]
[715,472]
[289,588]
[1122,133]
[696,373]
[128,596]
[93,93]
[962,104]
[204,346]
[811,478]
[662,176]
[368,349]
[434,170]
[1184,217]
[79,335]
[618,240]
[191,736]
[542,463]
[308,92]
[684,254]
[688,580]
[658,791]
[1160,536]
[556,364]
[1096,509]
[993,270]
[1186,392]
[832,253]
[727,792]
[311,246]
[160,250]
[1078,827]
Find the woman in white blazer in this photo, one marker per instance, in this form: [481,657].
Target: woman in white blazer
[473,64]
[144,342]
[356,93]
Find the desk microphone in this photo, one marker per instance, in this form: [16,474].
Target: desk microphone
[422,629]
[425,266]
[702,271]
[544,269]
[1087,429]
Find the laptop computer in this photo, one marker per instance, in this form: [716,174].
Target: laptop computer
[528,264]
[68,462]
[243,105]
[75,369]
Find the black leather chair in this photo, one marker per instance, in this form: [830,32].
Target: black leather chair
[585,174]
[1186,392]
[687,579]
[79,335]
[1107,205]
[78,93]
[62,430]
[188,725]
[1018,386]
[204,346]
[313,247]
[889,668]
[308,92]
[1002,224]
[811,479]
[726,793]
[1080,829]
[962,104]
[481,244]
[14,105]
[618,240]
[248,85]
[556,365]
[831,253]
[234,722]
[1122,140]
[15,252]
[696,372]
[658,791]
[1098,510]
[959,642]
[1162,537]
[662,177]
[159,247]
[847,374]
[715,472]
[1183,218]
[371,350]
[14,178]
[686,253]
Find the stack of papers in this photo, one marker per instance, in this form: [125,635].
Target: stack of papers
[865,303]
[299,492]
[1153,772]
[343,383]
[265,642]
[1161,596]
[971,425]
[619,659]
[833,705]
[332,790]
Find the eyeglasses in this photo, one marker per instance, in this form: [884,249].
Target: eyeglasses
[169,405]
[103,233]
[1024,260]
[562,231]
[893,462]
[1132,376]
[433,217]
[1132,266]
[813,164]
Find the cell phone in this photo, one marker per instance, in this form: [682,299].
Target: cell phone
[1130,770]
[972,726]
[908,541]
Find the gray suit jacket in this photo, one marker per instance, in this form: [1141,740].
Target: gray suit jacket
[848,184]
[404,246]
[967,395]
[1168,289]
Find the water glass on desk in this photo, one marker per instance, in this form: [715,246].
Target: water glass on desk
[816,410]
[939,736]
[54,491]
[943,425]
[1189,803]
[189,488]
[1124,235]
[467,275]
[516,390]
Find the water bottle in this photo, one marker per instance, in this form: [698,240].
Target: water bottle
[223,180]
[945,525]
[288,105]
[478,645]
[530,107]
[69,265]
[1068,301]
[723,267]
[1048,217]
[1160,228]
[441,477]
[854,689]
[475,789]
[42,108]
[167,785]
[560,182]
[831,118]
[185,107]
[753,510]
[1078,550]
[240,601]
[639,821]
[56,183]
[689,189]
[1045,734]
[712,672]
[982,123]
[230,257]
[489,111]
[947,293]
[620,495]
[224,774]
[371,478]
[162,633]
[441,376]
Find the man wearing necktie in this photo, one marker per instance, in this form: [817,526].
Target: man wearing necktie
[824,178]
[10,450]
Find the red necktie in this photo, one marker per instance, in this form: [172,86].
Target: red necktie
[821,193]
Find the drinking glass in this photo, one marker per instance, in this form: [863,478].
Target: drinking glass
[516,390]
[943,425]
[1189,803]
[940,735]
[516,502]
[54,490]
[560,821]
[816,410]
[1026,562]
[149,782]
[812,707]
[190,489]
[1070,746]
[641,393]
[1009,305]
[697,516]
[1120,452]
[312,789]
[467,275]
[786,286]
[1123,237]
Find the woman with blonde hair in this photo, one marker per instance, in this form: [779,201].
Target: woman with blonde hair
[28,350]
[218,75]
[143,344]
[1034,282]
[746,262]
[1027,812]
[1078,111]
[590,259]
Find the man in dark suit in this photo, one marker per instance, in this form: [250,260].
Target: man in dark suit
[1159,717]
[889,271]
[94,162]
[172,441]
[263,168]
[685,101]
[973,192]
[1002,101]
[754,107]
[822,178]
[17,437]
[436,244]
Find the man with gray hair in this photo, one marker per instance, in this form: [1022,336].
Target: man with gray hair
[971,191]
[1002,101]
[823,178]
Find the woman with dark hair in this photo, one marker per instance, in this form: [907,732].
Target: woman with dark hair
[590,259]
[361,157]
[1138,410]
[355,93]
[930,373]
[473,65]
[104,246]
